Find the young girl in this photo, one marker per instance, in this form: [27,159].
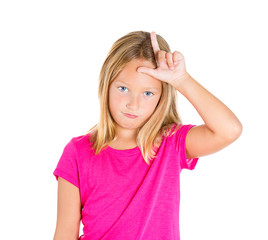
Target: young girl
[122,178]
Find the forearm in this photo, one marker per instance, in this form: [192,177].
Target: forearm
[66,235]
[215,114]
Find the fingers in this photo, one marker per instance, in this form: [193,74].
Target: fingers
[177,56]
[167,58]
[170,60]
[161,58]
[154,43]
[148,71]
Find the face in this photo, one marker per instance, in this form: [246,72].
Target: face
[133,93]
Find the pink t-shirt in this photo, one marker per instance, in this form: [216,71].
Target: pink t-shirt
[121,196]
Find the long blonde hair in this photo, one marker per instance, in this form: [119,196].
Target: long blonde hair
[134,45]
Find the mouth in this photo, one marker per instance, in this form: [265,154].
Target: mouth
[130,115]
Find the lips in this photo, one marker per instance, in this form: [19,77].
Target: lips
[130,115]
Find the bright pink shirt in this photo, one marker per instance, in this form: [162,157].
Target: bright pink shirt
[122,197]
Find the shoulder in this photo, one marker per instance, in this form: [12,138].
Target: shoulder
[80,138]
[81,141]
[173,128]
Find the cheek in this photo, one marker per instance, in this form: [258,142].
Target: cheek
[115,100]
[149,108]
[156,103]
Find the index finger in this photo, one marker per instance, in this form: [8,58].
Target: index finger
[154,43]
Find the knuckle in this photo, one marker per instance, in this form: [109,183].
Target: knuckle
[169,57]
[162,52]
[161,55]
[178,54]
[169,54]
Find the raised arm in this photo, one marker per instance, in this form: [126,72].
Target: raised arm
[221,126]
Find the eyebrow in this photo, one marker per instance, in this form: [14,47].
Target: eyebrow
[144,87]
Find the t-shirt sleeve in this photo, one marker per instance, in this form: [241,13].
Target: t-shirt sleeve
[180,137]
[67,166]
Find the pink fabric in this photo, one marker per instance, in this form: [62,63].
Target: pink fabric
[121,196]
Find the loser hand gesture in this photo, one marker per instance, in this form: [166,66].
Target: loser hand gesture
[170,66]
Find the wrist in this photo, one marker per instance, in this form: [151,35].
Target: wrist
[179,82]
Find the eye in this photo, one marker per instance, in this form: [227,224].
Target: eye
[151,94]
[146,91]
[121,87]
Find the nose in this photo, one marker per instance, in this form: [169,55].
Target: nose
[133,102]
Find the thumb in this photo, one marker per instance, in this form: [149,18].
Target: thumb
[149,71]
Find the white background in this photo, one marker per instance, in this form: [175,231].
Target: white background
[51,53]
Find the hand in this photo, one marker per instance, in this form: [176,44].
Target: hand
[170,67]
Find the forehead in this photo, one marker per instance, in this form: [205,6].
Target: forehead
[130,76]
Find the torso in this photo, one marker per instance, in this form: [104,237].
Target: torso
[122,146]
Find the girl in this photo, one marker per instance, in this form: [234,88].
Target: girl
[122,178]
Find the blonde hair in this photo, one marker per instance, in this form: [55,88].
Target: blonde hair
[134,45]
